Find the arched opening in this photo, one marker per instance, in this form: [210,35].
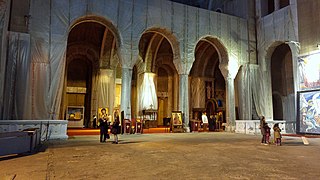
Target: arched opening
[79,79]
[282,82]
[156,55]
[90,82]
[207,83]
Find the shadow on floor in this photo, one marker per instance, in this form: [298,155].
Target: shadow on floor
[39,148]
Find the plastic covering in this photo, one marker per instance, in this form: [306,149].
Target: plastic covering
[260,83]
[126,92]
[17,76]
[245,93]
[182,25]
[4,21]
[148,98]
[273,30]
[198,93]
[106,89]
[183,100]
[277,27]
[48,29]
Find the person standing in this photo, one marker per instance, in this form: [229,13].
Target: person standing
[104,126]
[94,122]
[211,123]
[267,129]
[277,134]
[262,129]
[115,130]
[204,119]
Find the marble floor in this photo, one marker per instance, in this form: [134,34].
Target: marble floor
[217,155]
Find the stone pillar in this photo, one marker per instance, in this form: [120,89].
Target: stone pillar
[245,93]
[126,92]
[170,96]
[176,92]
[4,22]
[184,100]
[276,5]
[230,105]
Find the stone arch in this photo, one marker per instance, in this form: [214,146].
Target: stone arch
[87,52]
[279,65]
[170,37]
[95,39]
[101,20]
[218,45]
[270,50]
[294,48]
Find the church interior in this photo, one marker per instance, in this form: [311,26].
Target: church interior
[161,64]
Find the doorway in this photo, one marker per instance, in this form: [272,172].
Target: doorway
[282,83]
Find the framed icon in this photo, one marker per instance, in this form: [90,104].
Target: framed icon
[176,118]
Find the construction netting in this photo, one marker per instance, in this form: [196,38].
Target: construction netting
[35,75]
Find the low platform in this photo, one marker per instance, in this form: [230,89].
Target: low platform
[49,129]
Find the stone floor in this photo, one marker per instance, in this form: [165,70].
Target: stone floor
[168,156]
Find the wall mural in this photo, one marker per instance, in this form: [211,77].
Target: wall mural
[309,112]
[309,71]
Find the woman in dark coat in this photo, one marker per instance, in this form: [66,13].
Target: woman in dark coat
[104,126]
[263,130]
[115,130]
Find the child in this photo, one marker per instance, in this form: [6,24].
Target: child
[267,129]
[115,130]
[262,129]
[277,134]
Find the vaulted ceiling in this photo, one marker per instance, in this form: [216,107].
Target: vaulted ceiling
[93,38]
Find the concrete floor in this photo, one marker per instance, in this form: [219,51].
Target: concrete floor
[168,156]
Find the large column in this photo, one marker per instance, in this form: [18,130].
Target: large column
[176,92]
[245,93]
[126,92]
[230,105]
[184,100]
[170,96]
[4,21]
[276,5]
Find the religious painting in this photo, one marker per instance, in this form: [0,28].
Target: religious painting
[75,112]
[103,113]
[309,71]
[176,118]
[309,112]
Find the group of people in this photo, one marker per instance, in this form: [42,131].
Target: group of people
[211,122]
[104,124]
[265,131]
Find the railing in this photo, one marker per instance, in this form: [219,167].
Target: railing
[253,126]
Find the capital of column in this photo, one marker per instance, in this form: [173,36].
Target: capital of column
[229,70]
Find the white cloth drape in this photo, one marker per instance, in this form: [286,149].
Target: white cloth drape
[17,69]
[106,89]
[245,93]
[261,90]
[148,93]
[198,93]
